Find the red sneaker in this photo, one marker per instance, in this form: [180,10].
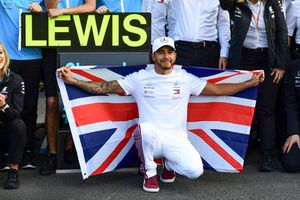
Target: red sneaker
[151,184]
[167,176]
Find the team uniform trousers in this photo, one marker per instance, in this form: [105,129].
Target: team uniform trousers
[13,139]
[29,70]
[178,153]
[295,52]
[204,54]
[265,111]
[291,160]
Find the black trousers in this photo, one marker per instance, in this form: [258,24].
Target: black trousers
[291,160]
[265,112]
[29,70]
[13,139]
[198,54]
[295,52]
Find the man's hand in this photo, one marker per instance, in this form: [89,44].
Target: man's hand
[55,12]
[257,78]
[2,100]
[65,74]
[278,74]
[223,62]
[290,141]
[102,10]
[35,7]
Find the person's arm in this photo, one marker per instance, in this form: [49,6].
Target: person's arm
[95,87]
[88,6]
[223,26]
[291,101]
[49,4]
[226,89]
[281,42]
[13,109]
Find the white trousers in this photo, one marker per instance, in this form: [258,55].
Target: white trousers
[178,153]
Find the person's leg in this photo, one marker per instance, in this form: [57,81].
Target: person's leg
[266,116]
[51,119]
[148,145]
[181,157]
[291,160]
[16,139]
[29,70]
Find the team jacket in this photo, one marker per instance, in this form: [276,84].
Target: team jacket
[292,98]
[13,87]
[275,27]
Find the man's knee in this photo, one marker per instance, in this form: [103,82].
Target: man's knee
[290,165]
[194,172]
[18,128]
[17,124]
[52,103]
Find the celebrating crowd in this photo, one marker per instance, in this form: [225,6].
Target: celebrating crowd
[225,34]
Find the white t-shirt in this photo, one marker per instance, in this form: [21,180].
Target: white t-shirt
[162,99]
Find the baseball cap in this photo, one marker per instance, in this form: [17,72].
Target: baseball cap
[162,41]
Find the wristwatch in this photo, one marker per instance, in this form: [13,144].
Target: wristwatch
[3,109]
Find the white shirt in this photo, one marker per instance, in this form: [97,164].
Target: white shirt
[199,20]
[162,17]
[256,36]
[162,99]
[293,18]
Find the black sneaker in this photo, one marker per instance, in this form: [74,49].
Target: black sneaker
[28,160]
[49,166]
[266,163]
[12,181]
[4,163]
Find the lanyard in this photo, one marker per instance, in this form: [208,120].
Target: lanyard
[256,17]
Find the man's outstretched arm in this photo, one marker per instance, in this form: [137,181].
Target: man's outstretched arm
[90,86]
[226,89]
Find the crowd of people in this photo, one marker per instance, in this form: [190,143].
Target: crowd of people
[224,34]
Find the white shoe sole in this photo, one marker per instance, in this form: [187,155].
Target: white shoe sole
[150,189]
[167,180]
[29,167]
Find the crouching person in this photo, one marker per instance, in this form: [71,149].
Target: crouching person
[162,131]
[12,128]
[291,147]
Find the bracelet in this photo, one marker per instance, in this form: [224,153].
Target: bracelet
[3,109]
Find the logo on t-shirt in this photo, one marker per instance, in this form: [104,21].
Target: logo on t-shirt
[176,90]
[149,90]
[297,79]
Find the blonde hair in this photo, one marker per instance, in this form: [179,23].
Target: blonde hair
[7,61]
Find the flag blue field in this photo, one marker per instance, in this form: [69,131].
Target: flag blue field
[102,125]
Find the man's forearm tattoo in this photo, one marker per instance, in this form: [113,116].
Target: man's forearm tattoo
[99,87]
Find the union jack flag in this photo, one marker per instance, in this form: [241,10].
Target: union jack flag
[102,125]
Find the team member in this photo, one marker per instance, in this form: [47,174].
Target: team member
[49,66]
[24,61]
[162,17]
[259,41]
[201,32]
[12,128]
[293,25]
[159,133]
[291,147]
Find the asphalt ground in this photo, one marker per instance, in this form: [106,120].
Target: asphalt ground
[127,184]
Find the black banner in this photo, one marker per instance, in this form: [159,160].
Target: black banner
[108,32]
